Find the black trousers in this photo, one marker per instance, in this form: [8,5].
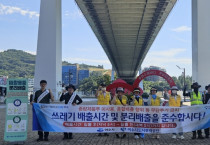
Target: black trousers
[137,133]
[207,131]
[198,132]
[41,133]
[67,134]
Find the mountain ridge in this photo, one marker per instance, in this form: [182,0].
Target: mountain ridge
[18,64]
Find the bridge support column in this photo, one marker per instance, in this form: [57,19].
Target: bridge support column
[49,56]
[141,83]
[201,42]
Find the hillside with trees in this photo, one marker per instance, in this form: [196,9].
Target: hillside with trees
[18,64]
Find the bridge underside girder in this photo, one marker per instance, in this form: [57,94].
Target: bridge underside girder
[126,29]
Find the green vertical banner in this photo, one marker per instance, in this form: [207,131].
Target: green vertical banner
[16,123]
[17,87]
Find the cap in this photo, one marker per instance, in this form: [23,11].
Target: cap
[120,89]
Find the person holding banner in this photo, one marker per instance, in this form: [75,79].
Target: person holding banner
[175,101]
[104,98]
[154,101]
[70,98]
[145,97]
[43,96]
[137,100]
[207,101]
[195,99]
[120,99]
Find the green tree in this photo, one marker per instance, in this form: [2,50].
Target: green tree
[91,83]
[161,85]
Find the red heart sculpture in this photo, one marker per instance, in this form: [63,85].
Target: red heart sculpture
[129,88]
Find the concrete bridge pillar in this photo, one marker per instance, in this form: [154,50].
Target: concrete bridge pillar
[201,42]
[49,47]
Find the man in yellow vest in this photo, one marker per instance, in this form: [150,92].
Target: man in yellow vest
[154,101]
[175,101]
[104,98]
[120,99]
[137,100]
[195,99]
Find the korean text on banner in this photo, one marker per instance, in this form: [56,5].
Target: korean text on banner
[99,118]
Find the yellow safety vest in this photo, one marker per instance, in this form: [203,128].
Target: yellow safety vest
[175,102]
[124,100]
[136,103]
[196,100]
[103,100]
[155,102]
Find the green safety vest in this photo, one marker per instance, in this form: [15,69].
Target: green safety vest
[196,100]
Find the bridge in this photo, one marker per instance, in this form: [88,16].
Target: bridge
[125,28]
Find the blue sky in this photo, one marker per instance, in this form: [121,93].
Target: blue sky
[19,29]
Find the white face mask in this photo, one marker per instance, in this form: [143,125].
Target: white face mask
[174,91]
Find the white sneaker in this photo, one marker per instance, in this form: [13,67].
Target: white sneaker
[174,136]
[136,137]
[181,137]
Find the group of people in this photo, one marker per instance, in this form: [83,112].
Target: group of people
[145,99]
[196,98]
[44,96]
[104,98]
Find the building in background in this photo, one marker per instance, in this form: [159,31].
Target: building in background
[77,74]
[70,73]
[83,74]
[154,78]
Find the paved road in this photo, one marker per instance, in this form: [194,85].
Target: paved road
[93,139]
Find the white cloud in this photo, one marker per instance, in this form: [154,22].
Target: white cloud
[180,39]
[1,50]
[66,13]
[157,61]
[31,52]
[83,49]
[8,10]
[166,58]
[73,14]
[85,60]
[182,29]
[167,53]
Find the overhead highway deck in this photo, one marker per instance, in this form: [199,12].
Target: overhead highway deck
[126,29]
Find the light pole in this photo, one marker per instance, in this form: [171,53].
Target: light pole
[183,76]
[70,77]
[66,77]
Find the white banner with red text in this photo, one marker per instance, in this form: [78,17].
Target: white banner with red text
[110,118]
